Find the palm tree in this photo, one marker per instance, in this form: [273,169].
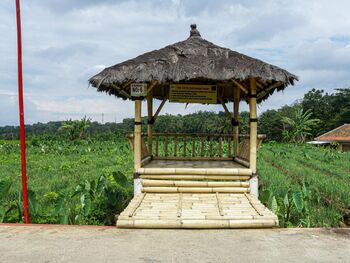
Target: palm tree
[300,125]
[76,129]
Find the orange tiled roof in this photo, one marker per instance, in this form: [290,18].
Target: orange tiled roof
[342,133]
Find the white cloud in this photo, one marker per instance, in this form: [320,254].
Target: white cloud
[65,42]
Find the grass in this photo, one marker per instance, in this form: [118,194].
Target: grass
[55,167]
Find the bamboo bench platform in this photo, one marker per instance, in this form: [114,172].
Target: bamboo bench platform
[196,210]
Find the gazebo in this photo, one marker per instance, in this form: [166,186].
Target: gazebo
[194,180]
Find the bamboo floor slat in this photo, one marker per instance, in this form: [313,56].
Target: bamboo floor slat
[196,210]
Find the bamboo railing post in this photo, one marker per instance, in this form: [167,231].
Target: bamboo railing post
[184,145]
[166,146]
[157,145]
[150,121]
[229,154]
[175,146]
[235,121]
[202,146]
[193,147]
[253,136]
[211,146]
[137,145]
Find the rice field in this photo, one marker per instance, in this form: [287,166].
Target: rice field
[304,185]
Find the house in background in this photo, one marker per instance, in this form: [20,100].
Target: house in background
[340,135]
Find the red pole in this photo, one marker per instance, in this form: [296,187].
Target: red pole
[21,114]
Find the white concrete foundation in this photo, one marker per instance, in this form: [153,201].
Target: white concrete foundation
[253,185]
[137,186]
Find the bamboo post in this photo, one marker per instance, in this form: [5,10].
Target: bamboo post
[175,146]
[202,146]
[150,121]
[253,136]
[157,145]
[184,149]
[137,145]
[193,147]
[235,121]
[229,155]
[166,146]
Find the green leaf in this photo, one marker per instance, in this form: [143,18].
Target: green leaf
[87,206]
[298,200]
[120,179]
[101,184]
[33,204]
[286,200]
[265,196]
[64,219]
[274,205]
[5,186]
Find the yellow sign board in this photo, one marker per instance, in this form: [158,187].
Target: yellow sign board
[192,93]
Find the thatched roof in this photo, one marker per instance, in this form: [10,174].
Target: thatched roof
[340,134]
[194,60]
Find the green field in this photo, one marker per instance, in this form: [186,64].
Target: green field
[88,182]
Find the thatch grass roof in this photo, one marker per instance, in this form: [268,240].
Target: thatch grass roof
[193,60]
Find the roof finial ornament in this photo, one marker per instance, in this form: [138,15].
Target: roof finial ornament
[194,31]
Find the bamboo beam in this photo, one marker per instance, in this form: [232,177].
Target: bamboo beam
[151,86]
[160,107]
[239,85]
[121,91]
[225,107]
[237,94]
[253,125]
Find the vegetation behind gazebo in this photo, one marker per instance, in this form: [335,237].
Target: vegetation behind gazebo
[193,63]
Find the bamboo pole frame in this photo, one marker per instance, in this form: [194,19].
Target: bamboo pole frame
[235,118]
[253,125]
[195,171]
[150,118]
[137,135]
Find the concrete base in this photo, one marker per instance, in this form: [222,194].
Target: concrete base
[108,244]
[137,186]
[254,185]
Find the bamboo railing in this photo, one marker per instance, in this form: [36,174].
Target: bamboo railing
[190,146]
[175,146]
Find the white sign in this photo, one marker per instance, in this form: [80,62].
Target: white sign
[138,89]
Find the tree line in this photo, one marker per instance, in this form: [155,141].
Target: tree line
[315,114]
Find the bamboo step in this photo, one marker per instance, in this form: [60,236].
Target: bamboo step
[196,171]
[196,210]
[195,190]
[176,183]
[194,177]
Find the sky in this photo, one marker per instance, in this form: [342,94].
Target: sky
[66,42]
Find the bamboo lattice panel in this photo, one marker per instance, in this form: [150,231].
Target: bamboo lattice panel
[196,210]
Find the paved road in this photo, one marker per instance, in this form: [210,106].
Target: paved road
[103,244]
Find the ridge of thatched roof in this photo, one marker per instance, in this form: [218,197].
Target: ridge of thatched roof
[341,133]
[192,60]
